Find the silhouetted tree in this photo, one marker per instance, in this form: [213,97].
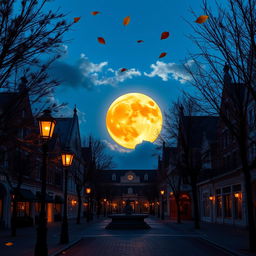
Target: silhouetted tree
[228,37]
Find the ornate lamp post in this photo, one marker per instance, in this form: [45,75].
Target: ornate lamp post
[46,125]
[66,158]
[162,201]
[88,192]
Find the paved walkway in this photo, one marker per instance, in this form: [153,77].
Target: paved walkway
[164,238]
[160,240]
[230,237]
[24,242]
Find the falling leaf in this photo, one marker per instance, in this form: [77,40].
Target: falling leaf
[126,20]
[140,41]
[94,13]
[201,19]
[76,19]
[123,69]
[9,244]
[164,35]
[101,40]
[163,54]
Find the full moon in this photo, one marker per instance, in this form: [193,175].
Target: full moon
[133,118]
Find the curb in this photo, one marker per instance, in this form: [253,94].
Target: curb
[59,252]
[225,249]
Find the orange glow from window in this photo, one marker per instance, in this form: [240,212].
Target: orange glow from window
[73,202]
[238,195]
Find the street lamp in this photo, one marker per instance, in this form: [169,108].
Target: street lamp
[46,125]
[162,201]
[88,192]
[66,158]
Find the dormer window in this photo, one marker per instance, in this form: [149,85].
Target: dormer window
[113,177]
[146,177]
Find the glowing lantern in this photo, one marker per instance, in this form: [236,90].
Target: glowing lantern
[67,158]
[211,198]
[162,192]
[46,125]
[88,190]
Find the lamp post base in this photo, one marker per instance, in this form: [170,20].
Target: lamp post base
[64,237]
[41,248]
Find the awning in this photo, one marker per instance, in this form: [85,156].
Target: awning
[58,200]
[48,198]
[25,195]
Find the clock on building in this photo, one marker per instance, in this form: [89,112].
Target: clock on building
[130,177]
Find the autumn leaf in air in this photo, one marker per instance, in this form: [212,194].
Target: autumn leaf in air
[76,19]
[126,20]
[201,19]
[164,35]
[163,54]
[123,69]
[140,41]
[101,40]
[94,13]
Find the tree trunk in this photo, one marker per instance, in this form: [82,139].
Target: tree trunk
[195,203]
[14,217]
[177,200]
[78,219]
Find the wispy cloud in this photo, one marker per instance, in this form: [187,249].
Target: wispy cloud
[172,70]
[115,147]
[88,74]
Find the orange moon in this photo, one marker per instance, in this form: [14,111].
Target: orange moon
[133,118]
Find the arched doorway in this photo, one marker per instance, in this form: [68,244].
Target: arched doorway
[3,195]
[185,207]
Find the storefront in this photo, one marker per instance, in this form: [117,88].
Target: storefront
[25,199]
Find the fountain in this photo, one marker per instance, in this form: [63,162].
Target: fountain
[128,220]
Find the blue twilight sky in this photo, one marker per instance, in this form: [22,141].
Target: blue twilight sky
[90,71]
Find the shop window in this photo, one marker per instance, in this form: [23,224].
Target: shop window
[227,203]
[206,205]
[218,206]
[23,209]
[238,205]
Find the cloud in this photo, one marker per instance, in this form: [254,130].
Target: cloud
[115,147]
[139,158]
[177,71]
[88,74]
[65,110]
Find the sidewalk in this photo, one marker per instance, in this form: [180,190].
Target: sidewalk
[233,239]
[24,242]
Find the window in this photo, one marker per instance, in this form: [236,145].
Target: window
[227,203]
[146,177]
[237,201]
[218,206]
[206,205]
[23,209]
[130,191]
[113,177]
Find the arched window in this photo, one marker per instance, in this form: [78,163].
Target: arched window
[146,177]
[113,177]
